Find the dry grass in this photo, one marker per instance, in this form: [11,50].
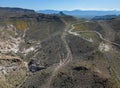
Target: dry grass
[21,25]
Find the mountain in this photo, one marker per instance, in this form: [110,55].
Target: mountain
[48,11]
[57,51]
[82,13]
[8,9]
[105,17]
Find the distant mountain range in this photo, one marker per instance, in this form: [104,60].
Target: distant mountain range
[82,13]
[9,9]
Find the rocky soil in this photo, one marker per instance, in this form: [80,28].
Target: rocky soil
[41,51]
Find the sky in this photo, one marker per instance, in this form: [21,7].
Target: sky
[63,4]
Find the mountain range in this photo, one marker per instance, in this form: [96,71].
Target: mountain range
[82,13]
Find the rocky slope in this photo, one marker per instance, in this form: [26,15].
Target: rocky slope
[38,51]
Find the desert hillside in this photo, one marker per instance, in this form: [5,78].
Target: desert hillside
[57,51]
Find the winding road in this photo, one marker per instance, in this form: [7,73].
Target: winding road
[108,55]
[99,34]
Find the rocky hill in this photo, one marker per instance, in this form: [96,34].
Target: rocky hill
[56,51]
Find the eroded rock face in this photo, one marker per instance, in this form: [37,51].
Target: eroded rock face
[12,68]
[21,35]
[104,47]
[12,71]
[8,40]
[10,45]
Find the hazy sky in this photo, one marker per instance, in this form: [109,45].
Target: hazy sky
[63,4]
